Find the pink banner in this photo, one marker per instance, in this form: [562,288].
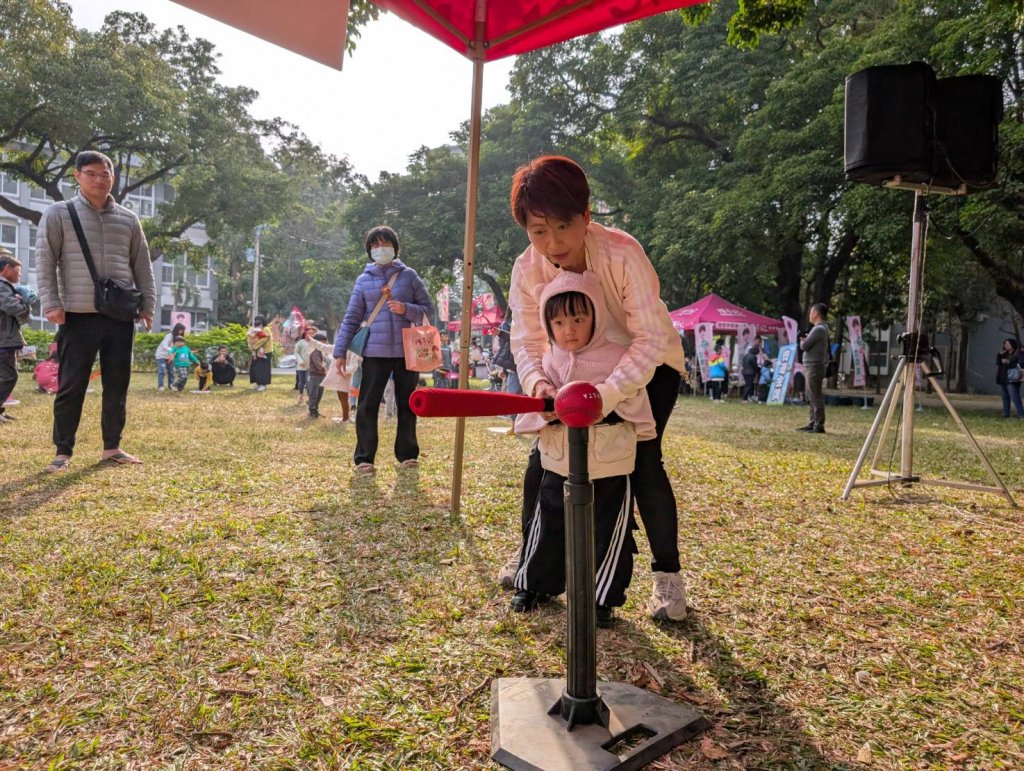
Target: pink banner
[745,338]
[704,339]
[789,331]
[858,352]
[442,303]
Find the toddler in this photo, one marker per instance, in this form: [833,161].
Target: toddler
[574,315]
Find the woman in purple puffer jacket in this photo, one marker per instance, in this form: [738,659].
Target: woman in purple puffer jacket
[406,303]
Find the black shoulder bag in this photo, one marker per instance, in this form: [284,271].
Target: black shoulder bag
[112,297]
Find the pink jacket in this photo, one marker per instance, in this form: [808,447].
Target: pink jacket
[638,318]
[612,447]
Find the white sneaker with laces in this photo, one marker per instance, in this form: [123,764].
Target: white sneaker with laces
[507,574]
[668,600]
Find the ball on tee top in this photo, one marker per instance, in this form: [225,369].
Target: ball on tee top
[578,404]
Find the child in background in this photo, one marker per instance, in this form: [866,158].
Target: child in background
[181,357]
[302,351]
[204,376]
[317,369]
[573,312]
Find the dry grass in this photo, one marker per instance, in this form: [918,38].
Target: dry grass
[244,600]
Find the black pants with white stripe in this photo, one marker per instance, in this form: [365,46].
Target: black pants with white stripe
[542,559]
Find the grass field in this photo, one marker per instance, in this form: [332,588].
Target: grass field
[244,600]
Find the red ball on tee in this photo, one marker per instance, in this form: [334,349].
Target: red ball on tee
[578,404]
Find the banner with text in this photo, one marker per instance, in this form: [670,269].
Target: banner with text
[783,371]
[858,352]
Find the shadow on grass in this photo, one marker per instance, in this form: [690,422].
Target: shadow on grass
[747,716]
[29,493]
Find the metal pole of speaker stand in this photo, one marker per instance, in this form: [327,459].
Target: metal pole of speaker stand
[904,378]
[580,703]
[913,329]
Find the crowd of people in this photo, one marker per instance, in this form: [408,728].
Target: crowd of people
[586,305]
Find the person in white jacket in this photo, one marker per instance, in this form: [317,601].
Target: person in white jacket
[551,201]
[574,316]
[163,357]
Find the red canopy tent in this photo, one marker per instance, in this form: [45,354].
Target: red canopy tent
[481,30]
[490,318]
[724,315]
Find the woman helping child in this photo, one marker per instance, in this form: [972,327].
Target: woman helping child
[574,315]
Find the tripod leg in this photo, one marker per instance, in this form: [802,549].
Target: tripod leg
[970,437]
[897,378]
[883,410]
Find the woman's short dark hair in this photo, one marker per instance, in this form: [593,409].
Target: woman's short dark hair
[89,157]
[1012,341]
[178,329]
[381,232]
[549,186]
[567,304]
[821,309]
[259,321]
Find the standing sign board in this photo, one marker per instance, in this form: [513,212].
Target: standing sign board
[783,371]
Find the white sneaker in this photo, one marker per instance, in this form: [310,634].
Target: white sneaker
[161,388]
[668,600]
[507,574]
[261,388]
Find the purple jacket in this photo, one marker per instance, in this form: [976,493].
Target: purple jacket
[386,331]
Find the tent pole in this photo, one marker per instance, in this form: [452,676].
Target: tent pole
[469,245]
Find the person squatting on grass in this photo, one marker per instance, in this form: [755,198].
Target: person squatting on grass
[66,293]
[575,317]
[14,311]
[182,360]
[551,201]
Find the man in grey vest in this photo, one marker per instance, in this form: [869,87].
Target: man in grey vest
[66,293]
[815,360]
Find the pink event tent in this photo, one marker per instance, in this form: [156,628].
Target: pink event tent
[725,316]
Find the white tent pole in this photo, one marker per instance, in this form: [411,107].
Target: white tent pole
[469,245]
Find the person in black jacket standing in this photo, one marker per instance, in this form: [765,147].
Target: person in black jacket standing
[751,369]
[14,311]
[815,360]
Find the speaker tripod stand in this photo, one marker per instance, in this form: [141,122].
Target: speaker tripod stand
[915,352]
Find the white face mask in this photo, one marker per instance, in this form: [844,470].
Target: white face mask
[382,255]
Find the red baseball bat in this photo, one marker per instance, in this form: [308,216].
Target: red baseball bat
[459,403]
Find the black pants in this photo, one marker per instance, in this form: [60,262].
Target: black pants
[8,375]
[749,385]
[81,338]
[651,487]
[301,378]
[542,557]
[315,391]
[259,371]
[376,372]
[223,374]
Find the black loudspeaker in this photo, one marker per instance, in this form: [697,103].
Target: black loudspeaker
[890,123]
[970,109]
[903,123]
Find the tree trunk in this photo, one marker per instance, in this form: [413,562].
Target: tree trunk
[787,280]
[1009,284]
